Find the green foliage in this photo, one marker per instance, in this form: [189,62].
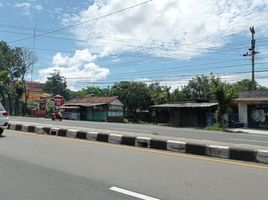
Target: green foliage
[134,95]
[50,108]
[55,84]
[69,94]
[215,127]
[159,94]
[91,91]
[200,87]
[14,66]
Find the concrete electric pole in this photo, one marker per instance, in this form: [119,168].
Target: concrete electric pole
[252,53]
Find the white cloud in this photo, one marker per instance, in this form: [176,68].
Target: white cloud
[24,5]
[27,7]
[169,28]
[77,68]
[38,7]
[172,82]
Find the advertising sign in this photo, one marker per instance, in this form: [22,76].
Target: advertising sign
[258,116]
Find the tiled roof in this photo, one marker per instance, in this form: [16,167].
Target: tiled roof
[35,86]
[93,100]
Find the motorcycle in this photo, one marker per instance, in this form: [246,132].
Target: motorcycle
[56,116]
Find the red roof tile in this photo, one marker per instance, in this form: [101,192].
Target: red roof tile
[35,86]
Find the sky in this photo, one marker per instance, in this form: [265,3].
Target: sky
[101,42]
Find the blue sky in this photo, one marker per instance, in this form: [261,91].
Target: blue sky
[168,41]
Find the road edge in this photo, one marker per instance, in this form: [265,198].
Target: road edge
[224,152]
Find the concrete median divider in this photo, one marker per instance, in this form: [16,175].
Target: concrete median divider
[62,132]
[25,128]
[102,137]
[46,130]
[262,156]
[92,135]
[176,146]
[53,131]
[143,142]
[243,154]
[81,135]
[128,140]
[158,144]
[218,151]
[71,133]
[197,149]
[115,138]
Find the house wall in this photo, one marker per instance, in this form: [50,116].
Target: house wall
[175,117]
[71,114]
[188,117]
[243,113]
[89,113]
[115,109]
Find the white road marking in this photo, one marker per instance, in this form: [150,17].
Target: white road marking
[259,141]
[133,194]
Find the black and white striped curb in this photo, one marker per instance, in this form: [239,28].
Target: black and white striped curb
[225,152]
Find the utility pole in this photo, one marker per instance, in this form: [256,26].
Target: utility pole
[252,53]
[32,67]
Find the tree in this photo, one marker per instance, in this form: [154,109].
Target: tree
[50,108]
[177,95]
[200,87]
[159,94]
[8,74]
[91,91]
[55,84]
[134,95]
[25,59]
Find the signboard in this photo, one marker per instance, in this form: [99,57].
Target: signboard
[258,116]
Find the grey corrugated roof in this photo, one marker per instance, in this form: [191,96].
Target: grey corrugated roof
[248,99]
[185,105]
[70,107]
[84,104]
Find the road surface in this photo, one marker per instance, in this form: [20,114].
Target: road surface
[190,133]
[53,168]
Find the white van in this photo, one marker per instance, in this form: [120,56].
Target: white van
[3,119]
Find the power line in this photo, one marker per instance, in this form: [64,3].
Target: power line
[182,69]
[177,78]
[87,21]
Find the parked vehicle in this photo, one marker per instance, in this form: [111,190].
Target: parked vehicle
[3,119]
[56,115]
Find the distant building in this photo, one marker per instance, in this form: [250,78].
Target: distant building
[94,109]
[34,91]
[185,114]
[253,109]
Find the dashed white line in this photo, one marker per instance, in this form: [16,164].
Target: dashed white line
[133,194]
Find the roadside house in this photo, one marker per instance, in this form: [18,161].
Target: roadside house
[94,109]
[253,109]
[186,114]
[35,91]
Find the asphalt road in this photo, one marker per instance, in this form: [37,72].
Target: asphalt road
[190,133]
[41,167]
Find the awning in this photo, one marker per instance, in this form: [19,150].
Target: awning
[69,107]
[85,104]
[252,100]
[185,105]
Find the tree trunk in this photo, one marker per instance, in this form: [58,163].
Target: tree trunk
[17,106]
[10,104]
